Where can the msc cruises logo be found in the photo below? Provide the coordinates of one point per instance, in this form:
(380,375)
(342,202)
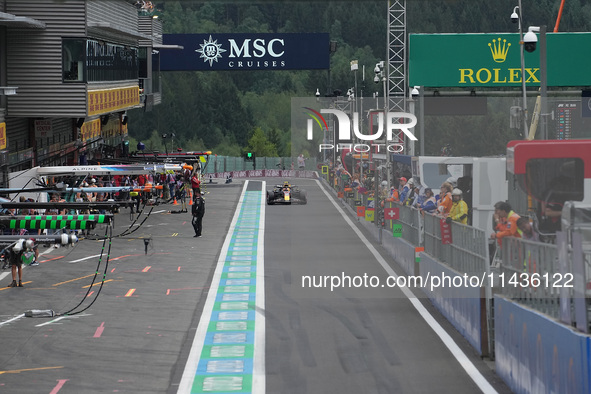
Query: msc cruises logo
(498,50)
(244,53)
(210,51)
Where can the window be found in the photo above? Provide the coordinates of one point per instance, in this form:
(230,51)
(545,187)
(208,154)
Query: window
(551,182)
(111,62)
(155,71)
(143,62)
(73,59)
(556,180)
(434,174)
(85,60)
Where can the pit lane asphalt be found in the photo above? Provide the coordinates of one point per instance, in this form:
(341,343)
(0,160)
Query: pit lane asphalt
(352,339)
(136,337)
(131,339)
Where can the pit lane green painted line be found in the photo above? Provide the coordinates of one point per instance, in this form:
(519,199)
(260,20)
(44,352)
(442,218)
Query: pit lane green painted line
(228,351)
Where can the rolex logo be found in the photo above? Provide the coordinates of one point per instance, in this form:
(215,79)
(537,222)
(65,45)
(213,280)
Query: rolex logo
(499,50)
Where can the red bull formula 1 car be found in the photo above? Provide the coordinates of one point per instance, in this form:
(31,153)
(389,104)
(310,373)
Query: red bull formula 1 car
(286,194)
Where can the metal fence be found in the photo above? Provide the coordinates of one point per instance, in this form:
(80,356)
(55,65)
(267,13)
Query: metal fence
(411,221)
(468,252)
(524,262)
(217,164)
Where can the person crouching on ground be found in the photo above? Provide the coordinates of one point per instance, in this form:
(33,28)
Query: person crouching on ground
(15,258)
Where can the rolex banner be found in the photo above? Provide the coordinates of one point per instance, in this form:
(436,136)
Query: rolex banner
(493,60)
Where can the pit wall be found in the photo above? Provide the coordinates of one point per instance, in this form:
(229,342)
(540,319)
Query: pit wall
(536,354)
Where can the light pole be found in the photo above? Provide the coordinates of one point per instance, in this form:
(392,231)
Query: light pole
(325,133)
(530,39)
(381,75)
(164,142)
(172,135)
(516,18)
(421,119)
(351,99)
(411,106)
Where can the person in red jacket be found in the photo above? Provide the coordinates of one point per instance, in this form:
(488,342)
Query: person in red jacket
(195,184)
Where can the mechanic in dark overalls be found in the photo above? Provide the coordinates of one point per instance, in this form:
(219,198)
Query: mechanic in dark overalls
(198,210)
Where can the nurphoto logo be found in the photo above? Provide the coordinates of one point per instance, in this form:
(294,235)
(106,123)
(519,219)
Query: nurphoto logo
(394,142)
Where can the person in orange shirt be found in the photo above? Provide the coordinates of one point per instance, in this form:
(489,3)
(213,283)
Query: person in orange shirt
(446,201)
(506,225)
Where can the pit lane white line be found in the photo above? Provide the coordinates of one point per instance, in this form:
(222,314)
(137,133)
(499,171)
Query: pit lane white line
(13,319)
(84,258)
(447,340)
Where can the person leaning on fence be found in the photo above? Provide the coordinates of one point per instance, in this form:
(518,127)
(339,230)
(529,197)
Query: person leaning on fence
(506,222)
(445,201)
(429,205)
(403,188)
(527,230)
(459,208)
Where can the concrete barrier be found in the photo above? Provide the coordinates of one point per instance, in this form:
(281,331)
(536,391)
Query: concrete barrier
(536,354)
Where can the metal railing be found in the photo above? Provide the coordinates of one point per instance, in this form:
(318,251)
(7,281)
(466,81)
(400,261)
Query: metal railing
(468,253)
(218,164)
(526,267)
(411,221)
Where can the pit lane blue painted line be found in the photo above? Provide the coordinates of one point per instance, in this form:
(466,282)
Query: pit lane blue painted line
(228,351)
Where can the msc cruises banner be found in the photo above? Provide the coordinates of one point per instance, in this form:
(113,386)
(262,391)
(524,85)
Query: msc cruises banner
(290,51)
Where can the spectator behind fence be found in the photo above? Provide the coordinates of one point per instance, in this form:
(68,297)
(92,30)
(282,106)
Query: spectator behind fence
(403,188)
(413,197)
(527,230)
(505,222)
(445,200)
(429,205)
(301,162)
(459,208)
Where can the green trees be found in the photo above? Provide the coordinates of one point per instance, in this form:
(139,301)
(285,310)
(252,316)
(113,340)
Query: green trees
(228,111)
(260,144)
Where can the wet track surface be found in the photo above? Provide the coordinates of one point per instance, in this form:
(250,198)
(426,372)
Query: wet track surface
(136,336)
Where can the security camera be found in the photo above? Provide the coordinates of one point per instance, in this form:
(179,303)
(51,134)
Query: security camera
(529,41)
(377,69)
(514,17)
(376,79)
(317,92)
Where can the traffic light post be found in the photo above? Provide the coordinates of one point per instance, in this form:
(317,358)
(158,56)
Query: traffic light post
(251,156)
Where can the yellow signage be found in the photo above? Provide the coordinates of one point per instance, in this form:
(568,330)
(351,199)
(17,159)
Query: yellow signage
(498,50)
(111,129)
(2,136)
(91,130)
(110,100)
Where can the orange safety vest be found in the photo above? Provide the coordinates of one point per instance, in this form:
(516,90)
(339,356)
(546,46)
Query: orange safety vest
(446,202)
(508,227)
